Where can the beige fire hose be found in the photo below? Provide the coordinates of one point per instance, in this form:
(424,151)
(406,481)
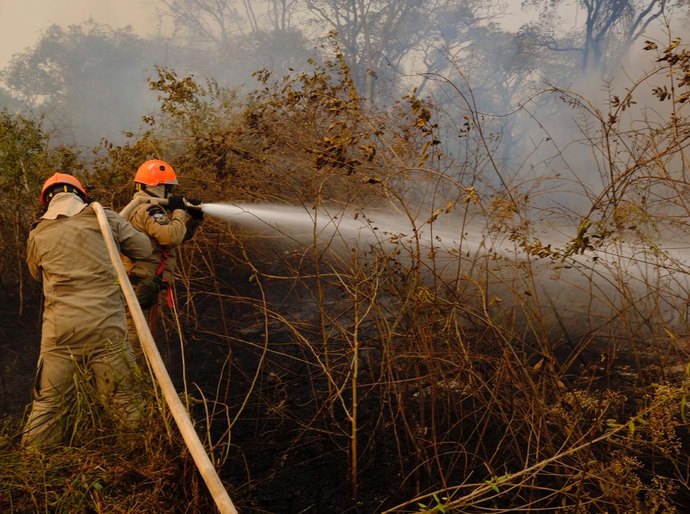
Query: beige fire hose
(203,463)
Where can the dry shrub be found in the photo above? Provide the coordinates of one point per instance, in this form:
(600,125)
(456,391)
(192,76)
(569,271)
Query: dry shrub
(442,355)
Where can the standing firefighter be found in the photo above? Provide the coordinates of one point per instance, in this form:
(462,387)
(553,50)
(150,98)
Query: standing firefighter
(168,220)
(84,322)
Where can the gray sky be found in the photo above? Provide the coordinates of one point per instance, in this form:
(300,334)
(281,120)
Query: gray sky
(23,21)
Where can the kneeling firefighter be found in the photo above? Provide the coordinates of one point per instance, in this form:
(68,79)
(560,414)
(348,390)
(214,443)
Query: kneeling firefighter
(168,220)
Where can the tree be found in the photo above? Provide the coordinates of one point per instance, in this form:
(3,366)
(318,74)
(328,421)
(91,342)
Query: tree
(7,101)
(89,79)
(608,30)
(281,12)
(230,43)
(210,21)
(379,38)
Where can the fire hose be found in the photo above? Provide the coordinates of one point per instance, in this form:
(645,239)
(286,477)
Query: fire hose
(184,424)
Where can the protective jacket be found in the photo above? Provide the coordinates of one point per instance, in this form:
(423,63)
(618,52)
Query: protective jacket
(165,233)
(66,249)
(84,311)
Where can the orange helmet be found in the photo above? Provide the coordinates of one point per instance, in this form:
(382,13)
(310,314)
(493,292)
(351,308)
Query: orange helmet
(155,172)
(69,183)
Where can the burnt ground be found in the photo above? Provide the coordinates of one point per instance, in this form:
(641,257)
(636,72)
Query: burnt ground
(285,461)
(277,464)
(20,338)
(287,455)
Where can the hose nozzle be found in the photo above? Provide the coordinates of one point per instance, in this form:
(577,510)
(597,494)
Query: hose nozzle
(193,204)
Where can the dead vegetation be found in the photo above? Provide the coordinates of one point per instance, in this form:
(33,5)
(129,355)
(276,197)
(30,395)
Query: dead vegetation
(405,370)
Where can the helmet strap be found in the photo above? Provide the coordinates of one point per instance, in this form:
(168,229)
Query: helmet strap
(62,188)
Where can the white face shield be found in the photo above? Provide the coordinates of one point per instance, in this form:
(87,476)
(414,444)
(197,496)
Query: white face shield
(159,191)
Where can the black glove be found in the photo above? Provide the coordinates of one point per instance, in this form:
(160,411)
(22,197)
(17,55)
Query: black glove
(194,208)
(175,202)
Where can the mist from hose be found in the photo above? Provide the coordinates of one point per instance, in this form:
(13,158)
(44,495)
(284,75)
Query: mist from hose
(594,291)
(373,226)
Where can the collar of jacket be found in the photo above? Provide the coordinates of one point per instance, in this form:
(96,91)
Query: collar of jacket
(64,204)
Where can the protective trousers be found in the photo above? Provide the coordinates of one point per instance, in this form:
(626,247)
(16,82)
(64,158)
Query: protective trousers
(111,364)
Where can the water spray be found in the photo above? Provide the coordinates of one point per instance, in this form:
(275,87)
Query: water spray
(584,292)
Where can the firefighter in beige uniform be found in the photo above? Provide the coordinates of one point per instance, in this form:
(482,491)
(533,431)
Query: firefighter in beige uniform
(167,227)
(84,312)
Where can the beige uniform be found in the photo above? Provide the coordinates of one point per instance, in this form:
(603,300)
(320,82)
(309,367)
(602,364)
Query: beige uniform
(84,313)
(165,232)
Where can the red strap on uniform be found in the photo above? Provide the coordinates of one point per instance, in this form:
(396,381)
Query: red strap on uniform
(161,266)
(159,273)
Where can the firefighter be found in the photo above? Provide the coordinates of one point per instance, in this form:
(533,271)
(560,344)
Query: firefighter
(84,320)
(167,225)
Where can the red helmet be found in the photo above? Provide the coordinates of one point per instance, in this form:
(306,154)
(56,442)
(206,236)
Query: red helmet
(155,172)
(61,179)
